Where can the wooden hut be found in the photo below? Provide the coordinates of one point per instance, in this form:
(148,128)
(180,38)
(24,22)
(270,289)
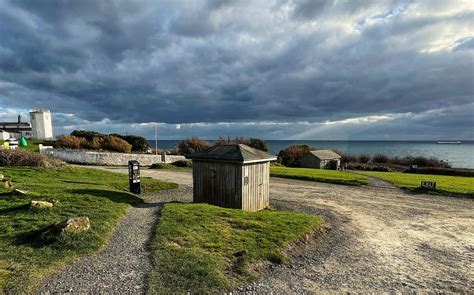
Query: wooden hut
(232,176)
(321,159)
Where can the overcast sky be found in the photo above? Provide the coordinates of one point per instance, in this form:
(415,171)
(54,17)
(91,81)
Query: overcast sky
(282,69)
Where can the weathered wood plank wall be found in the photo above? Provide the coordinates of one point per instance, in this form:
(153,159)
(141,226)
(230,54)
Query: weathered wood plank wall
(217,183)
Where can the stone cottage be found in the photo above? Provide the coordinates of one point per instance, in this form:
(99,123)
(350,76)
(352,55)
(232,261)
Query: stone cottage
(321,159)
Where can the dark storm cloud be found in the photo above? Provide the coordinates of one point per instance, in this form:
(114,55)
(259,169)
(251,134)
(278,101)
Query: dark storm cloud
(238,61)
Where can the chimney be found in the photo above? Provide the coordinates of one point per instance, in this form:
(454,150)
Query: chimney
(19,119)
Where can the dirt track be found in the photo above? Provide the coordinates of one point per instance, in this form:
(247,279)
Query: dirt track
(380,239)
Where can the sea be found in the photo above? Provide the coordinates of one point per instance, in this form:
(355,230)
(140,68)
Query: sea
(457,155)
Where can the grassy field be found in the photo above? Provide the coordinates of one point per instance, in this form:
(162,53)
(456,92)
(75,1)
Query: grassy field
(321,175)
(444,184)
(206,249)
(33,145)
(29,249)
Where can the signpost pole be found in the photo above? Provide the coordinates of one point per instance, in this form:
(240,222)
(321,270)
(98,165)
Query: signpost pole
(156,139)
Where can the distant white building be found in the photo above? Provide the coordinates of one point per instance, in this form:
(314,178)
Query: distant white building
(41,124)
(41,127)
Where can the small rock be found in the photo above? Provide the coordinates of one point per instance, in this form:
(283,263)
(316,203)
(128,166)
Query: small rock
(1,177)
(40,204)
(76,224)
(53,201)
(19,192)
(7,184)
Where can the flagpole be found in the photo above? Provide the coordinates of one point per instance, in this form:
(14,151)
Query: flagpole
(156,139)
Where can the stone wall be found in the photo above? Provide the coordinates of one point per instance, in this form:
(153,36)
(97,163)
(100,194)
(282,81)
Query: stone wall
(106,158)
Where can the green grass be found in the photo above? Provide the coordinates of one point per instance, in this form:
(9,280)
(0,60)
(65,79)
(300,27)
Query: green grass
(455,185)
(29,247)
(321,175)
(207,249)
(33,145)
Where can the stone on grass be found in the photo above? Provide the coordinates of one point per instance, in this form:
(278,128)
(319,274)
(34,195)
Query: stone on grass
(76,224)
(7,183)
(40,204)
(1,177)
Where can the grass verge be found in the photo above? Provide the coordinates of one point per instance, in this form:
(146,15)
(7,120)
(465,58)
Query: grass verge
(447,185)
(206,249)
(321,175)
(28,250)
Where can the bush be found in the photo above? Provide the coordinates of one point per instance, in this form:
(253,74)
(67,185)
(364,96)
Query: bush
(364,159)
(346,158)
(444,171)
(255,143)
(162,166)
(380,159)
(89,135)
(139,143)
(191,145)
(93,144)
(115,144)
(69,142)
(183,163)
(290,156)
(258,144)
(366,167)
(20,157)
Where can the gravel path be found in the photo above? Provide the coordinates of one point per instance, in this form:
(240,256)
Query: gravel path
(380,240)
(122,266)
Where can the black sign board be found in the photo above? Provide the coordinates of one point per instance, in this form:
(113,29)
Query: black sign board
(428,184)
(134,177)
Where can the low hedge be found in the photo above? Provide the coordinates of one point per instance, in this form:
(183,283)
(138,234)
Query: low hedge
(20,157)
(443,171)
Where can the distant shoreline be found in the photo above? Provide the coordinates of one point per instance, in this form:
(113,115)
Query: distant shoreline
(457,155)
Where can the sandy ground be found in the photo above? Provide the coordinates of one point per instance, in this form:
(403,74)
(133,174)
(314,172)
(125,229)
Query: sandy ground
(379,238)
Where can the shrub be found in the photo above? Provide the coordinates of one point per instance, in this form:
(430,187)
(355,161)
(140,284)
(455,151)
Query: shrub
(228,140)
(115,144)
(365,167)
(183,163)
(444,171)
(291,155)
(162,166)
(380,159)
(139,143)
(346,158)
(69,142)
(191,145)
(429,162)
(256,143)
(364,159)
(89,135)
(20,157)
(94,144)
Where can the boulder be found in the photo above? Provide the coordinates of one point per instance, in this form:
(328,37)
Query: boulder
(40,204)
(76,224)
(19,192)
(7,183)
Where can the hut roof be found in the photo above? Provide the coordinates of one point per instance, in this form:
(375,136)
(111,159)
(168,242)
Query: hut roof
(239,153)
(325,154)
